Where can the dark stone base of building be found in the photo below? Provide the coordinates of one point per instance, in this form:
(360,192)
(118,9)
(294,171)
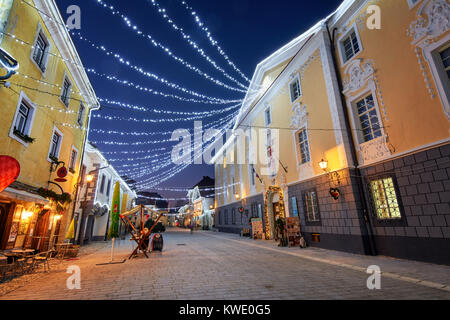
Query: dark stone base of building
(426,250)
(224,221)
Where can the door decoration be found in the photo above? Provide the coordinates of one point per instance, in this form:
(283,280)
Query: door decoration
(9,171)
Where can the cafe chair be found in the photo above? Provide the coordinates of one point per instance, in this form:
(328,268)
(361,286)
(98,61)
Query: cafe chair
(43,258)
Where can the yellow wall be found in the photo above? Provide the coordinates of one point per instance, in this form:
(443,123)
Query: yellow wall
(414,118)
(35,167)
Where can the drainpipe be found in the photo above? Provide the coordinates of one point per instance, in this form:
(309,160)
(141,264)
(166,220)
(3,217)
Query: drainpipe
(369,242)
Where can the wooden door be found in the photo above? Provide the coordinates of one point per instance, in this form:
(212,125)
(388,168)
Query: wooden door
(39,239)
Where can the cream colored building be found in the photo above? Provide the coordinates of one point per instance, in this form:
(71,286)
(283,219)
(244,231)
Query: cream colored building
(354,121)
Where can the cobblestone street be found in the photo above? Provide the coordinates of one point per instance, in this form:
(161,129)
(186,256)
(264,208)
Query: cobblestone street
(217,266)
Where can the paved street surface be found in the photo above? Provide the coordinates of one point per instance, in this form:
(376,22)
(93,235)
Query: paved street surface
(216,266)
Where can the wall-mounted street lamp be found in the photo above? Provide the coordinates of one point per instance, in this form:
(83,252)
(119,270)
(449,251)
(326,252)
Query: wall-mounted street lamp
(89,178)
(237,196)
(323,164)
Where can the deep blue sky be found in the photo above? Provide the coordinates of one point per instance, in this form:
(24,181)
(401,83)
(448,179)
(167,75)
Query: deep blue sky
(247,30)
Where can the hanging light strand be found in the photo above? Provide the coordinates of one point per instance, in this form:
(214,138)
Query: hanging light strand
(140,69)
(162,47)
(211,39)
(192,43)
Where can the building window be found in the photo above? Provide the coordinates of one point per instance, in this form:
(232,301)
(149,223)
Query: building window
(368,119)
(294,207)
(311,206)
(350,46)
(80,115)
(108,189)
(55,145)
(295,89)
(220,218)
(268,116)
(233,216)
(102,184)
(303,145)
(65,93)
(252,174)
(384,199)
(73,160)
(41,49)
(23,120)
(226,216)
(445,58)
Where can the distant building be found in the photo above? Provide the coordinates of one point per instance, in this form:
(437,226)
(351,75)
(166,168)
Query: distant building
(93,209)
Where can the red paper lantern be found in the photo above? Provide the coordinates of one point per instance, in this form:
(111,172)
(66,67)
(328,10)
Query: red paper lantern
(9,171)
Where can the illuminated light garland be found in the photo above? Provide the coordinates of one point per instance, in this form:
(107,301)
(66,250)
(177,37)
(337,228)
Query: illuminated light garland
(156,180)
(164,48)
(213,42)
(141,70)
(193,44)
(134,152)
(76,64)
(59,87)
(167,112)
(143,171)
(145,168)
(149,120)
(155,92)
(143,133)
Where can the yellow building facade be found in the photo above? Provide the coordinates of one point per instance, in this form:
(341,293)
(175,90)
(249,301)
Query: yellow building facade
(349,123)
(45,110)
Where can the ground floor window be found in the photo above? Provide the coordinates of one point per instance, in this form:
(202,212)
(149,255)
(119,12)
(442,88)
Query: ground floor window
(384,199)
(311,206)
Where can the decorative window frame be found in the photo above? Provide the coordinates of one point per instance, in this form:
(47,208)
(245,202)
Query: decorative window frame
(296,78)
(76,159)
(431,54)
(300,121)
(353,27)
(29,125)
(55,129)
(66,77)
(40,30)
(376,149)
(373,214)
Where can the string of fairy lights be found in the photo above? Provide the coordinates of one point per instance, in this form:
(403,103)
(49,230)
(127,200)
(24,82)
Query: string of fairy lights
(164,48)
(154,165)
(193,44)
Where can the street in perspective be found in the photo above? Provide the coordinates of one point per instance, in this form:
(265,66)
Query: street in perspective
(229,157)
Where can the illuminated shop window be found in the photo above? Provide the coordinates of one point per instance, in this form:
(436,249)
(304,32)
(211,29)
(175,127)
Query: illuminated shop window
(385,199)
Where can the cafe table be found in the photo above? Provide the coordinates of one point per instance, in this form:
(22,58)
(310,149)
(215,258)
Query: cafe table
(23,252)
(3,260)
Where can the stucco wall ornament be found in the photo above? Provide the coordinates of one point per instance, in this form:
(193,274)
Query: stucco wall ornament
(433,21)
(357,75)
(300,117)
(375,150)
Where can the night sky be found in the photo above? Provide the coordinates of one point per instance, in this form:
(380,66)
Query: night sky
(247,30)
